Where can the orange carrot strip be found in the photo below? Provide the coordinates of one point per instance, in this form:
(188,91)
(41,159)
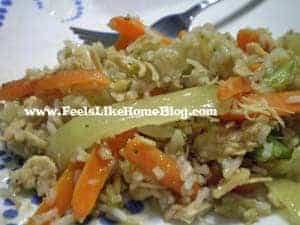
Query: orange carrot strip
(281,101)
(129,29)
(246,36)
(119,141)
(123,42)
(59,83)
(90,183)
(95,174)
(63,190)
(233,86)
(16,89)
(147,158)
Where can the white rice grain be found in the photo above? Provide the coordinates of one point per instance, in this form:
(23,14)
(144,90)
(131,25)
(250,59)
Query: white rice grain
(230,165)
(65,220)
(44,217)
(105,153)
(293,99)
(158,172)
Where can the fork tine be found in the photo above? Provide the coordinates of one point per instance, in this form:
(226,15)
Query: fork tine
(84,31)
(91,36)
(94,33)
(88,37)
(91,39)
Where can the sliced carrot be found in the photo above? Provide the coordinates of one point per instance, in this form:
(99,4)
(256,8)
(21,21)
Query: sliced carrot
(90,183)
(233,86)
(59,83)
(95,174)
(246,36)
(147,158)
(119,141)
(281,102)
(16,89)
(129,30)
(63,194)
(129,27)
(123,42)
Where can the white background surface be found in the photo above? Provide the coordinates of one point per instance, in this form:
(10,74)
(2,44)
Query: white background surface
(32,37)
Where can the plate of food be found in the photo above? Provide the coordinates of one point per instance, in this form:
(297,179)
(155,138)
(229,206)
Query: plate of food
(200,128)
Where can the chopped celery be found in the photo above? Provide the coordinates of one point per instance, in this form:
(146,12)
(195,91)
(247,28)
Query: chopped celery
(273,149)
(286,194)
(282,77)
(82,132)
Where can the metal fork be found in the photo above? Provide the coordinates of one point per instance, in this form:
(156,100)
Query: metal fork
(169,25)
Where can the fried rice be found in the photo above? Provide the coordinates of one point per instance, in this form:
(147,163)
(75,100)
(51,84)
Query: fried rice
(231,160)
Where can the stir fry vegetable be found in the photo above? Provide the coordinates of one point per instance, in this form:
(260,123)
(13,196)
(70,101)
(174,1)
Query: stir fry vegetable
(284,103)
(148,159)
(91,181)
(129,30)
(282,77)
(273,149)
(63,195)
(82,132)
(234,86)
(155,146)
(246,36)
(119,141)
(56,85)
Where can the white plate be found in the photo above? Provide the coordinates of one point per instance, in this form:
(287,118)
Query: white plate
(32,31)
